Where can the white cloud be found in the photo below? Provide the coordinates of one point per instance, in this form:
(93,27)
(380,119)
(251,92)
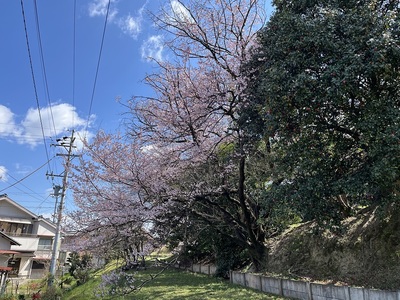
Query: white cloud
(131,26)
(99,8)
(7,123)
(55,120)
(82,136)
(3,174)
(148,148)
(180,12)
(153,48)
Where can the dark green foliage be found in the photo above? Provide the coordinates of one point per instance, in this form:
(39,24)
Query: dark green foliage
(217,209)
(325,94)
(80,266)
(217,247)
(229,256)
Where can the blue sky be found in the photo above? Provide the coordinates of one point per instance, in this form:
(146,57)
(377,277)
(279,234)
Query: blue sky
(130,38)
(64,75)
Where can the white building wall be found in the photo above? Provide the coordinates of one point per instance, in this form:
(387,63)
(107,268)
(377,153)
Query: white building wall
(4,244)
(25,267)
(27,243)
(11,211)
(44,229)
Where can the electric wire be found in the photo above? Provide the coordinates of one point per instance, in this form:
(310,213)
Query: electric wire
(45,75)
(34,82)
(24,192)
(31,173)
(74,62)
(46,85)
(41,203)
(43,66)
(98,63)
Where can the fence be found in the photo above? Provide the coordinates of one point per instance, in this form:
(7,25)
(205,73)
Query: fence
(298,289)
(199,268)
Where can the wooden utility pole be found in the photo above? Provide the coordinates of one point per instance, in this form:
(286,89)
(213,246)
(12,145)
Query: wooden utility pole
(68,144)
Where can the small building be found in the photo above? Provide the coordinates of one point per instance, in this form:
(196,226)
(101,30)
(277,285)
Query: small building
(5,255)
(33,236)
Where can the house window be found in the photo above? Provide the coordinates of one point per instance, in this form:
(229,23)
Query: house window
(5,226)
(45,244)
(38,265)
(15,228)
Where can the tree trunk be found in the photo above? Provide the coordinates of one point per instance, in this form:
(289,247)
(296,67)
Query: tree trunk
(255,234)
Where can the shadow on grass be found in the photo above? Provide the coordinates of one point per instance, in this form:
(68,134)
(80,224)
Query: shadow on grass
(173,285)
(178,284)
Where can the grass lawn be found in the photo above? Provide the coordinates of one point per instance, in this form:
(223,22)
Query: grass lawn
(175,284)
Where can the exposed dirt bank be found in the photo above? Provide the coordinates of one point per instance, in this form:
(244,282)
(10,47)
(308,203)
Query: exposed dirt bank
(365,253)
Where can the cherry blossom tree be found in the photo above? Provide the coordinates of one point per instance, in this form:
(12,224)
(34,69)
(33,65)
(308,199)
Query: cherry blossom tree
(184,158)
(192,119)
(112,214)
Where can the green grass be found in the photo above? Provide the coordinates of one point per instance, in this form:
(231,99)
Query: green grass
(175,284)
(87,290)
(26,288)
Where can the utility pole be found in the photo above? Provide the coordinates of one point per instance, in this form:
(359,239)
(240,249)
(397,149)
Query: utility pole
(67,143)
(56,190)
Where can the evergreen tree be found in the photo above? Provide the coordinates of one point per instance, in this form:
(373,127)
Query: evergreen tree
(324,93)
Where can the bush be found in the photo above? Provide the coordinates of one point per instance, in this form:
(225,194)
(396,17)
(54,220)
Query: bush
(51,293)
(67,279)
(228,256)
(8,297)
(80,266)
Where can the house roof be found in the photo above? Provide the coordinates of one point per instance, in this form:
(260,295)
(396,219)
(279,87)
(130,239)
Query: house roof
(40,218)
(30,214)
(6,237)
(15,220)
(5,198)
(8,252)
(41,258)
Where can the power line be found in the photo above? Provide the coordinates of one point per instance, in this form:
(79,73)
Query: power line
(34,195)
(41,203)
(74,62)
(22,179)
(33,80)
(43,65)
(45,77)
(98,62)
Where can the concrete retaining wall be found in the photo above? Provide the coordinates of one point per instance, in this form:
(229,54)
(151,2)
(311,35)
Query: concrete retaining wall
(199,268)
(307,290)
(298,289)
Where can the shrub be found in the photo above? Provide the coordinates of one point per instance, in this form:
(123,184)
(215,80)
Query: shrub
(8,297)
